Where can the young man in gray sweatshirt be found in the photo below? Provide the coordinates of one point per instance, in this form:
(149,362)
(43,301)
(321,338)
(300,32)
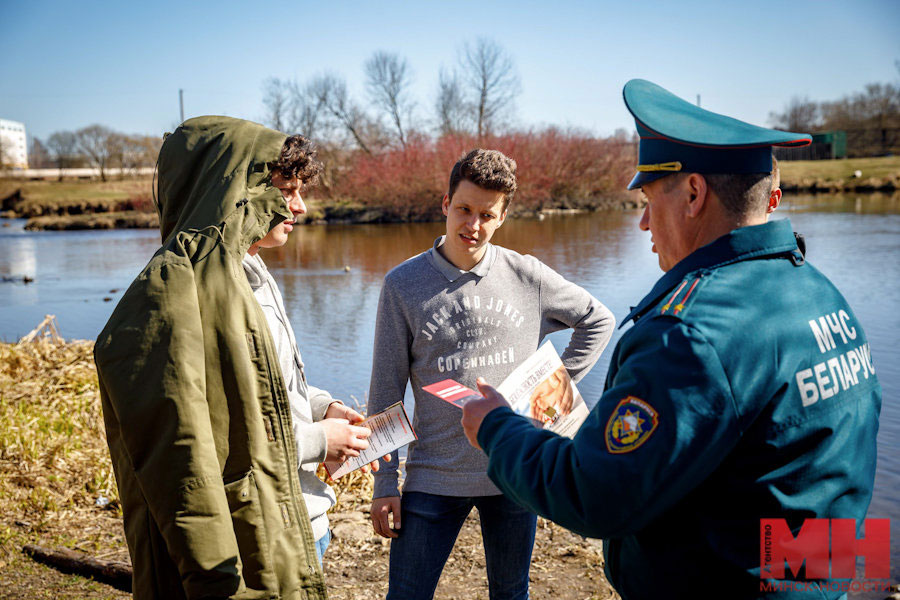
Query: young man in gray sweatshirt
(465,309)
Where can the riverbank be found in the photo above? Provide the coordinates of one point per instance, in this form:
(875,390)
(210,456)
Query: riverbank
(850,175)
(127,204)
(57,489)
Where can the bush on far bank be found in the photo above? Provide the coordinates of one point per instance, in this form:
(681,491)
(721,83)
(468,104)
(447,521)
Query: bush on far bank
(556,169)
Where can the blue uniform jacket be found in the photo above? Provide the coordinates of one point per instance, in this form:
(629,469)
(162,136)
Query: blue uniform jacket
(745,390)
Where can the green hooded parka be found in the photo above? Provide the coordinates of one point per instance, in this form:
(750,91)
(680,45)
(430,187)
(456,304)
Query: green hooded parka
(196,412)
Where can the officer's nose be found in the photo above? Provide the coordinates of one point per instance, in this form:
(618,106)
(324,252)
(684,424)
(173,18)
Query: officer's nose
(645,219)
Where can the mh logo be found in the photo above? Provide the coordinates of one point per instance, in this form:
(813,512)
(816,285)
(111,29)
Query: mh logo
(778,545)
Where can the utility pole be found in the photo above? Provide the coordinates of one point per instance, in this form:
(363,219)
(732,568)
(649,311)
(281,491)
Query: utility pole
(181,103)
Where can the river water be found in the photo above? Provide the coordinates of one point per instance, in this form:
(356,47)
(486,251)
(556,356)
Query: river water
(79,276)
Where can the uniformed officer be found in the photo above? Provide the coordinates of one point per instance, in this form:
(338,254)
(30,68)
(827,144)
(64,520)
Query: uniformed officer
(744,391)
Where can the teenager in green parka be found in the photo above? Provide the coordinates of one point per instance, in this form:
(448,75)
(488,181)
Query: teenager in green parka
(194,402)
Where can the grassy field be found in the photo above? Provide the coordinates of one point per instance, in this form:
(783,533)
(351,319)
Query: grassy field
(840,171)
(77,197)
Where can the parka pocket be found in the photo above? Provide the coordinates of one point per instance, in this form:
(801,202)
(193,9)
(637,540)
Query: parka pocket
(250,531)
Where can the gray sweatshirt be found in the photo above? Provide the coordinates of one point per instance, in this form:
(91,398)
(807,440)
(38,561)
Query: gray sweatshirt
(308,404)
(438,322)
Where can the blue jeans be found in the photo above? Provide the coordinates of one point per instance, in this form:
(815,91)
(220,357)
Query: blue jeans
(429,526)
(322,544)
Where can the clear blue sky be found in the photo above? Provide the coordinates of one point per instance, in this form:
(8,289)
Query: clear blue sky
(64,65)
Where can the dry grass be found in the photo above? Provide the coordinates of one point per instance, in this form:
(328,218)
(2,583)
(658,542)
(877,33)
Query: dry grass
(54,465)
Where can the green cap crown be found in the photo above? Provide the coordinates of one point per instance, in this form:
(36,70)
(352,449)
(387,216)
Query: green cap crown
(679,136)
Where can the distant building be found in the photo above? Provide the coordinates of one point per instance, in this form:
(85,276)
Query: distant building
(13,145)
(825,145)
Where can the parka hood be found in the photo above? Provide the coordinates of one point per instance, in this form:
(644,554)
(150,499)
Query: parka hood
(213,172)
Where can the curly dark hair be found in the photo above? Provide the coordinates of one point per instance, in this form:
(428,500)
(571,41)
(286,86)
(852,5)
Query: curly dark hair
(488,169)
(298,159)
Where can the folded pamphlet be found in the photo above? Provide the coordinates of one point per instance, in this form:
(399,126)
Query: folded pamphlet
(390,430)
(540,388)
(453,392)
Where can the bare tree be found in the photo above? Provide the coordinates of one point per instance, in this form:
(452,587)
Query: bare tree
(871,119)
(306,111)
(330,92)
(99,144)
(63,148)
(135,151)
(388,78)
(490,78)
(151,145)
(38,156)
(450,104)
(292,108)
(117,148)
(801,114)
(276,98)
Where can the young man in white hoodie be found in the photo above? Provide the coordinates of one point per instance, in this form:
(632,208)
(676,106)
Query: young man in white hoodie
(323,427)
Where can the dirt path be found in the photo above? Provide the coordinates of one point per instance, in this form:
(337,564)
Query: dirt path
(564,565)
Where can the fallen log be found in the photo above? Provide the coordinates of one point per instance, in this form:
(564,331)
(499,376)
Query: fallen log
(114,573)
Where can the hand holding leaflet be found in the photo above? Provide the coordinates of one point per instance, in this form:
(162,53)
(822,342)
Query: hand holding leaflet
(390,429)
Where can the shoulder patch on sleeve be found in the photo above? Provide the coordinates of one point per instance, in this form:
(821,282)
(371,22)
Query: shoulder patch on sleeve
(631,424)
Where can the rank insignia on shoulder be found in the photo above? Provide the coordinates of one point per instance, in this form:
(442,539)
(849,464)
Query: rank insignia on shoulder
(630,425)
(678,301)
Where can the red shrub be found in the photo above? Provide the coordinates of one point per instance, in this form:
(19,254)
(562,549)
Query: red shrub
(555,169)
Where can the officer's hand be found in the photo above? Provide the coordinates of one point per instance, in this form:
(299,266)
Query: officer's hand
(381,509)
(343,439)
(475,411)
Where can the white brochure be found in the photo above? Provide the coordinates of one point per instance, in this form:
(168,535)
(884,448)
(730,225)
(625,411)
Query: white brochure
(391,429)
(540,388)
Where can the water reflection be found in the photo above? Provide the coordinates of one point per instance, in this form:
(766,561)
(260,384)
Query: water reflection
(366,249)
(74,274)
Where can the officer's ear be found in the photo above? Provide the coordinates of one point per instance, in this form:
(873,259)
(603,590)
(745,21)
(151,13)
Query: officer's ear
(774,200)
(697,192)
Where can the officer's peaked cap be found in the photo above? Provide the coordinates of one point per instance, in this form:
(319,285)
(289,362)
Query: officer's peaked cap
(679,136)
